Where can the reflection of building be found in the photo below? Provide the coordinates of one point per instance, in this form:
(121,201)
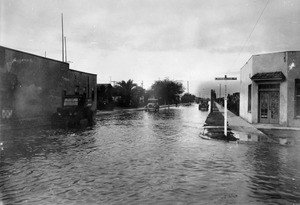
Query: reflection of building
(34,86)
(270,89)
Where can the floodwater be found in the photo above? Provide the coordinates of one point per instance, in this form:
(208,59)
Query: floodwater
(144,158)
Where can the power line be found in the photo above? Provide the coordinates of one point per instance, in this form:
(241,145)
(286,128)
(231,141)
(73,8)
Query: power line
(250,33)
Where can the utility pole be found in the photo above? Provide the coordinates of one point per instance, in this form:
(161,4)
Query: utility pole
(225,100)
(66,49)
(62,36)
(220,92)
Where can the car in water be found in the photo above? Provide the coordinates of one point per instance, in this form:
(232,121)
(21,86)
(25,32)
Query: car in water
(75,112)
(152,105)
(203,105)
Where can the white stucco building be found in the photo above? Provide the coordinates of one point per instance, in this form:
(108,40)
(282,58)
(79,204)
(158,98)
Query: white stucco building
(270,89)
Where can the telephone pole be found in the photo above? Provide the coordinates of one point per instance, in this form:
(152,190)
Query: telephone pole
(220,92)
(225,100)
(62,37)
(66,60)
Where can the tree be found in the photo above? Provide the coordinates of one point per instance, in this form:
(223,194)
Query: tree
(137,93)
(104,96)
(167,90)
(125,90)
(188,98)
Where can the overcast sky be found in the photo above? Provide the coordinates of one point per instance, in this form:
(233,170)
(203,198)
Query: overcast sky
(147,40)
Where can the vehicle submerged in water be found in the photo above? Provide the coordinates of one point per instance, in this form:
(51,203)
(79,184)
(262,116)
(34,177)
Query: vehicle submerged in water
(75,112)
(152,105)
(203,105)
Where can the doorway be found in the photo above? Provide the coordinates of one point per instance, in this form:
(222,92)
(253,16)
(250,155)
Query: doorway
(269,107)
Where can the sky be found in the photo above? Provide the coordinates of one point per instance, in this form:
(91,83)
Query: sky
(190,41)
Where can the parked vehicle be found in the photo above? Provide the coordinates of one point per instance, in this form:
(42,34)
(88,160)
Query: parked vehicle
(75,112)
(203,105)
(152,105)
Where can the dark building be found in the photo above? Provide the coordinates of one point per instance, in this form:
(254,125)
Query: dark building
(33,87)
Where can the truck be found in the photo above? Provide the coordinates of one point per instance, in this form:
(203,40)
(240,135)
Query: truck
(203,104)
(75,112)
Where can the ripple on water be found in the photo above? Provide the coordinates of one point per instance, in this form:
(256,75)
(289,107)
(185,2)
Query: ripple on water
(144,158)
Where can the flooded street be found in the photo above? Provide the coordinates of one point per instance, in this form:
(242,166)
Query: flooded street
(142,157)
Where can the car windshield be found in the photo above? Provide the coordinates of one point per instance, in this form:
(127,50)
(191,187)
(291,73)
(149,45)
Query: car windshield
(152,100)
(71,102)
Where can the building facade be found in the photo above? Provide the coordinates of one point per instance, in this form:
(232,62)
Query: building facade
(34,87)
(270,89)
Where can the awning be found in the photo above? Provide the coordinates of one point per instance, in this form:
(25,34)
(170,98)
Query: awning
(269,76)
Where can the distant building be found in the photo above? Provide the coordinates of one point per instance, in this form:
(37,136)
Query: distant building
(33,86)
(270,89)
(104,96)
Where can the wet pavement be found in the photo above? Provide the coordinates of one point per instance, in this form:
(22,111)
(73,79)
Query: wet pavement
(137,157)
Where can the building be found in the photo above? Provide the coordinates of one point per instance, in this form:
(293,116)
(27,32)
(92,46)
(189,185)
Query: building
(33,87)
(270,89)
(105,96)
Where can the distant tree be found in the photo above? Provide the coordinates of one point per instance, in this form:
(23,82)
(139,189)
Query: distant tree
(104,96)
(188,98)
(137,93)
(125,90)
(167,90)
(148,94)
(233,103)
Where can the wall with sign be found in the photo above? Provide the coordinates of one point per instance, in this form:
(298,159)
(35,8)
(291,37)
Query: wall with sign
(39,84)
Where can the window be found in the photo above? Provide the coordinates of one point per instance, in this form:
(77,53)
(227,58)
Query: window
(268,86)
(297,97)
(249,97)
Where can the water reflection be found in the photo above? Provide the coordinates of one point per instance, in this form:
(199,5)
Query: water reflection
(144,158)
(273,177)
(251,137)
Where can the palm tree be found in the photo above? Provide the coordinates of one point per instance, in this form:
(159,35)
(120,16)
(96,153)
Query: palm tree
(125,90)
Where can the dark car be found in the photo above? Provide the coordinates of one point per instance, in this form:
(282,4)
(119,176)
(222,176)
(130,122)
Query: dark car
(152,105)
(203,105)
(75,112)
